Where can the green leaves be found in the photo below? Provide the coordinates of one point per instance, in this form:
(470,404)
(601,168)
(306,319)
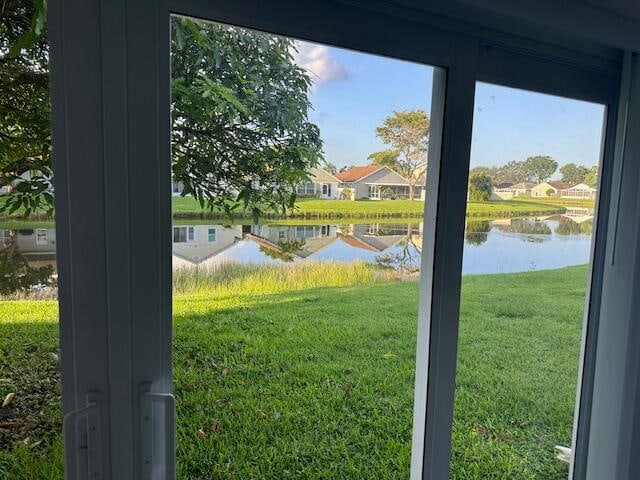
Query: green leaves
(241,135)
(25,138)
(31,36)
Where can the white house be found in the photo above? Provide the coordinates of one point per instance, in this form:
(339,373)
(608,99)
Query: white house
(374,182)
(549,188)
(580,190)
(321,184)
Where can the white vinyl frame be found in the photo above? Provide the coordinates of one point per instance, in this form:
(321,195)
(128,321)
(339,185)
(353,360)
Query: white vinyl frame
(111,128)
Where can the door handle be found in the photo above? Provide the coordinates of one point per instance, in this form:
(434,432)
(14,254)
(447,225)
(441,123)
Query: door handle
(83,460)
(158,439)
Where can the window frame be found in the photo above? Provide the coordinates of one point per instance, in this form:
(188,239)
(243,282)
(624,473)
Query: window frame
(111,125)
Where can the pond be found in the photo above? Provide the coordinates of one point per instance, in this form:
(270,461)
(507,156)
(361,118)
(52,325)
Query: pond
(491,246)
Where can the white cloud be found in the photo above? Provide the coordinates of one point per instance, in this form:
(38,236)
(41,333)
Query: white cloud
(320,65)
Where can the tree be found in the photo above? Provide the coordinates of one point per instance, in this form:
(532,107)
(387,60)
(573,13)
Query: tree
(388,158)
(574,174)
(329,167)
(240,130)
(480,187)
(25,138)
(540,167)
(511,172)
(407,132)
(591,178)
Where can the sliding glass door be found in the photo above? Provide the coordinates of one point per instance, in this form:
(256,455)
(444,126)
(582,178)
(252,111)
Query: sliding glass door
(304,336)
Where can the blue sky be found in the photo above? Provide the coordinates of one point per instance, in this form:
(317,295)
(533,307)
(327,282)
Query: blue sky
(353,93)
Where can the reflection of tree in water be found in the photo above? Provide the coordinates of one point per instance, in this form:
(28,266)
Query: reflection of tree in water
(406,260)
(476,232)
(286,251)
(527,226)
(15,273)
(569,227)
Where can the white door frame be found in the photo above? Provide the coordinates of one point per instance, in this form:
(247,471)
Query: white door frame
(111,90)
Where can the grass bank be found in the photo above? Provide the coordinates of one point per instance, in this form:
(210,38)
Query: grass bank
(562,202)
(187,207)
(318,382)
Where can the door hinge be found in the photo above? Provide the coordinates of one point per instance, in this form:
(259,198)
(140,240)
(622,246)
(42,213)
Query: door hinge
(83,440)
(157,434)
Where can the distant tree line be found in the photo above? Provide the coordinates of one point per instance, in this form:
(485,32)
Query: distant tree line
(538,169)
(534,169)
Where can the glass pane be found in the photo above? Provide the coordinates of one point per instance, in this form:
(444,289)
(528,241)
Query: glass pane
(294,340)
(534,166)
(30,403)
(30,411)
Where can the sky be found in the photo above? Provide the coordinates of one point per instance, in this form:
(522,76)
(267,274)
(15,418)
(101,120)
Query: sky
(353,92)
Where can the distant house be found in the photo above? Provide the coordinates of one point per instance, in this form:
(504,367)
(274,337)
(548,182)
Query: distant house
(321,184)
(506,191)
(549,189)
(580,190)
(37,246)
(176,188)
(373,182)
(502,191)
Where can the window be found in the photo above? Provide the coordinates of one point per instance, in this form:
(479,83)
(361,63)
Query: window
(176,188)
(524,287)
(41,236)
(183,234)
(307,189)
(305,231)
(211,235)
(326,189)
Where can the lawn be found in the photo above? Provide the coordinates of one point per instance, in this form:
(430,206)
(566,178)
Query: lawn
(317,383)
(313,208)
(562,202)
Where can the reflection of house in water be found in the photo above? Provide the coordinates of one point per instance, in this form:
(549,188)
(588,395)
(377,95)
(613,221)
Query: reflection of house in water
(376,237)
(578,214)
(575,214)
(312,238)
(194,244)
(36,245)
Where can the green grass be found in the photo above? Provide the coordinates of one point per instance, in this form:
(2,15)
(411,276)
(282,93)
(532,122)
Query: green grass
(561,202)
(187,209)
(313,208)
(317,383)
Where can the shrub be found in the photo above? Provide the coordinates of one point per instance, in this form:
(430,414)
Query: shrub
(480,187)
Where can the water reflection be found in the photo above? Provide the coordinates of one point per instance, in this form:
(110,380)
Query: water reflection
(27,261)
(27,256)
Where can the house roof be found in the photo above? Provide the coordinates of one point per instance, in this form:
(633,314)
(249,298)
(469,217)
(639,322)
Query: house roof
(523,185)
(558,185)
(582,186)
(355,174)
(322,175)
(504,185)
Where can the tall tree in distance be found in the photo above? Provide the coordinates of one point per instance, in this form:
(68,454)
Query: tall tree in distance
(329,167)
(240,128)
(572,173)
(591,178)
(407,132)
(387,158)
(540,167)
